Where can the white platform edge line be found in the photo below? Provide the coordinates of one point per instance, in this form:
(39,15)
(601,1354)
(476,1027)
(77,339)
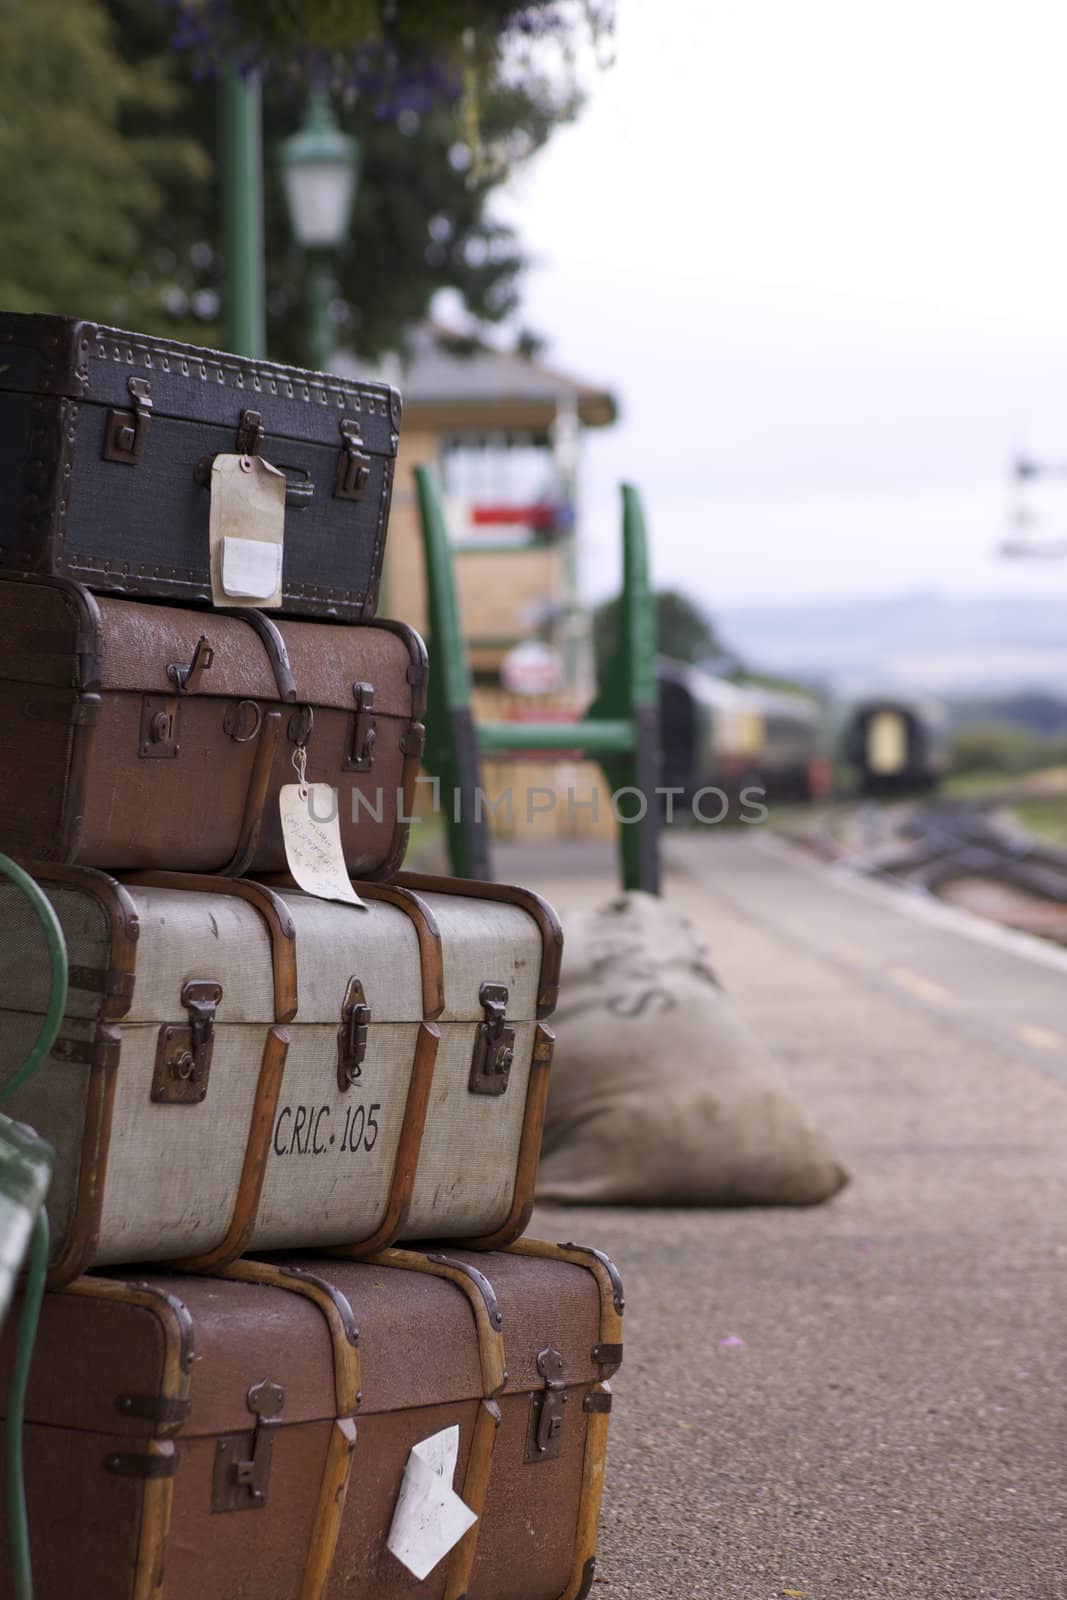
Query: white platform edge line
(919,903)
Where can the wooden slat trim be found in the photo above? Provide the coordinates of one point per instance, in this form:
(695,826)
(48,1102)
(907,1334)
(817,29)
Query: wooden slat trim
(406,1161)
(174,1319)
(155,1526)
(533,1123)
(431,956)
(257,1154)
(603,1269)
(344,1336)
(474,1493)
(490,1336)
(78,1250)
(593,1462)
(121,913)
(333,1492)
(533,904)
(271,907)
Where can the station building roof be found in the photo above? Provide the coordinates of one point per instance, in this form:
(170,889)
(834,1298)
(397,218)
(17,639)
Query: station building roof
(450,380)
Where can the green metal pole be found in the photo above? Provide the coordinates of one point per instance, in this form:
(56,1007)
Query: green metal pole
(321,287)
(242,213)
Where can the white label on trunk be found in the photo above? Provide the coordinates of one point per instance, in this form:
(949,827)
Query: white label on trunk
(251,569)
(430,1518)
(246,531)
(311,831)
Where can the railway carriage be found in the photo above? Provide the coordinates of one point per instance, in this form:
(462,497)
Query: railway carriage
(896,745)
(734,736)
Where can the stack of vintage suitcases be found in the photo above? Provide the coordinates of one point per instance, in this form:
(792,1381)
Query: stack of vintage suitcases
(258,1090)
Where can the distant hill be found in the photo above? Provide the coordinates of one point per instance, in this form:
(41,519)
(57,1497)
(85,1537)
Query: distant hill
(944,644)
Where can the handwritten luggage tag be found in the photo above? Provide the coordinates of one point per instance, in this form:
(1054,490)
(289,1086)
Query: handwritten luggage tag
(311,833)
(246,532)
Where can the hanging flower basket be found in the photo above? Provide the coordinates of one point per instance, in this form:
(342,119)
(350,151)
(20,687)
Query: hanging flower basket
(404,54)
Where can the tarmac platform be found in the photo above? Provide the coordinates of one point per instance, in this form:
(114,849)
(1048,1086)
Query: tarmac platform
(864,1399)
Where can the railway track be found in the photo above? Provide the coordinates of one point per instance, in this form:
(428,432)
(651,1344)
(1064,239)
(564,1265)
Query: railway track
(972,855)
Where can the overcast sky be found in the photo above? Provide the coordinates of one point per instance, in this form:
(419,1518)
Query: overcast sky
(819,250)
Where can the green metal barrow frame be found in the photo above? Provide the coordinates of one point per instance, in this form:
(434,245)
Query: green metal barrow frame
(620,730)
(25,1173)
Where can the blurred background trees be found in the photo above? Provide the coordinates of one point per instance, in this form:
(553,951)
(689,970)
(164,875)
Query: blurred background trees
(684,632)
(109,193)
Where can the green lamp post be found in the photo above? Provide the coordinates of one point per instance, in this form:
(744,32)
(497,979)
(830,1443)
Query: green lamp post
(320,166)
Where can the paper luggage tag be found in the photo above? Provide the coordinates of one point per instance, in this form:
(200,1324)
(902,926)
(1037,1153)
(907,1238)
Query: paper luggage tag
(311,833)
(430,1518)
(246,532)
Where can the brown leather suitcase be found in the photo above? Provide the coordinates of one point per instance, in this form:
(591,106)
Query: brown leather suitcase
(245,1436)
(107,440)
(140,735)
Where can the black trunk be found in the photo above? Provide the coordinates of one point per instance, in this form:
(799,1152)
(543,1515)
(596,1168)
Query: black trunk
(106,439)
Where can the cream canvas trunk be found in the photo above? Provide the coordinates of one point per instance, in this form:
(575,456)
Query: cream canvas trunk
(247,1067)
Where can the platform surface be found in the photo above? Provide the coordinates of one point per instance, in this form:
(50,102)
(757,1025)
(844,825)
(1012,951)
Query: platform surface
(894,1419)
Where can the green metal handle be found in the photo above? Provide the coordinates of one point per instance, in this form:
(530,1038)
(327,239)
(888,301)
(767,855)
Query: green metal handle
(57,956)
(15,1489)
(607,736)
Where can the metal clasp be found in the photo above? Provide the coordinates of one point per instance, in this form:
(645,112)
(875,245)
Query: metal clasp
(249,441)
(544,1435)
(494,1043)
(352,1035)
(126,431)
(187,679)
(242,1460)
(353,467)
(159,728)
(360,754)
(184,1050)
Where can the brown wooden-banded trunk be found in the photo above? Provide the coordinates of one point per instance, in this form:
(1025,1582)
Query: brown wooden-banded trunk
(246,1434)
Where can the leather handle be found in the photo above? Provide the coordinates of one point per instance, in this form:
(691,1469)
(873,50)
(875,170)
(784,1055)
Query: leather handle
(299,492)
(256,797)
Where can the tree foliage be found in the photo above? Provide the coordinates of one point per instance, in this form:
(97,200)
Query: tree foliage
(107,183)
(80,199)
(684,631)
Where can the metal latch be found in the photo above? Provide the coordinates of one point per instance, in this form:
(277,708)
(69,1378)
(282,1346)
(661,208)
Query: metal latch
(352,1035)
(249,441)
(494,1043)
(184,1050)
(544,1436)
(353,467)
(125,431)
(360,754)
(242,1460)
(188,678)
(159,727)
